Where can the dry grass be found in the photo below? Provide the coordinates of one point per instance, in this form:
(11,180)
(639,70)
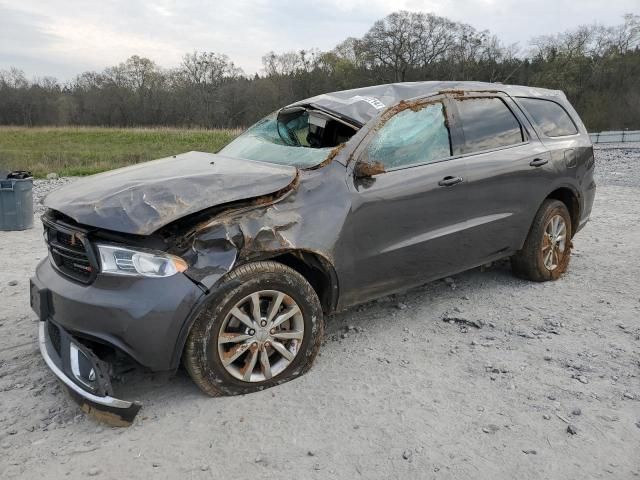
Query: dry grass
(88,150)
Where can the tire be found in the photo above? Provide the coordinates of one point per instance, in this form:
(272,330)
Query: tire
(532,262)
(266,281)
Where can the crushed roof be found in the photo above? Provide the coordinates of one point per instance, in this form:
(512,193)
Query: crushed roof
(364,104)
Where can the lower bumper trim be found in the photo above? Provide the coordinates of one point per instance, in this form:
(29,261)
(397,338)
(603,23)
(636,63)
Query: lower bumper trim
(108,409)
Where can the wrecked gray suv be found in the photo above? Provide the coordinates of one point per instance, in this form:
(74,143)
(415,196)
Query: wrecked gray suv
(229,262)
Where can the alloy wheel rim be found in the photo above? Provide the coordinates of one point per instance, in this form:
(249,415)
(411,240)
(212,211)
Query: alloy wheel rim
(554,242)
(260,336)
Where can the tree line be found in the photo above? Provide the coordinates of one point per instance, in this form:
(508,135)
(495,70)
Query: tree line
(597,66)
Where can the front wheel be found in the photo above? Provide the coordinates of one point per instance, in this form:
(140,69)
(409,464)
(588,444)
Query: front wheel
(263,327)
(547,249)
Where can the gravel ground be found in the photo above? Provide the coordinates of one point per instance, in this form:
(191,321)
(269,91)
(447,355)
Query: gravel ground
(618,164)
(525,380)
(41,188)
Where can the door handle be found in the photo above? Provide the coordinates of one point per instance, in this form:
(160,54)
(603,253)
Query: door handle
(538,162)
(450,181)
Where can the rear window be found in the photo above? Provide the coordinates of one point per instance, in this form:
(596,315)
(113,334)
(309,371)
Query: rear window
(487,123)
(551,118)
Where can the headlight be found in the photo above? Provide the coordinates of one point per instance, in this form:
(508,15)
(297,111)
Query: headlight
(146,263)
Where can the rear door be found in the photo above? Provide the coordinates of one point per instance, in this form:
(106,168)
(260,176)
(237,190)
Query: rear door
(508,171)
(568,143)
(407,225)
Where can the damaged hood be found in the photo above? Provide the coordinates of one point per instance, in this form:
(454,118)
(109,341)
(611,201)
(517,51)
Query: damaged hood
(143,198)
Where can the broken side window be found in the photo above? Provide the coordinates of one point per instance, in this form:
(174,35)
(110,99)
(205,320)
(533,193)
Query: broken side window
(412,137)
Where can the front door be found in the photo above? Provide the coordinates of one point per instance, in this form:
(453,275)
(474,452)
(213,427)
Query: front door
(407,225)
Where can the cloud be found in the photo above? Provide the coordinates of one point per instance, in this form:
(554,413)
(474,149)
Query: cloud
(26,31)
(63,37)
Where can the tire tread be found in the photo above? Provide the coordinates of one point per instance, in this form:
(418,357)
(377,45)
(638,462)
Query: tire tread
(192,357)
(525,263)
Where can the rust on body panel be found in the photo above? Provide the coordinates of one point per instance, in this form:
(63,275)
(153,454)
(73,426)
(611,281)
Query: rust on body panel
(332,155)
(370,169)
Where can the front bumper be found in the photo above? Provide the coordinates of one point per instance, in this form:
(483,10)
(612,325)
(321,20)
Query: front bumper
(74,365)
(141,317)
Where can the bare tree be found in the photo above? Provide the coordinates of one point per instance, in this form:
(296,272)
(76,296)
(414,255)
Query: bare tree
(286,63)
(393,43)
(208,68)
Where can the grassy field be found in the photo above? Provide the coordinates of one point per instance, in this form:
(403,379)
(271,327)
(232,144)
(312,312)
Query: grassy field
(84,151)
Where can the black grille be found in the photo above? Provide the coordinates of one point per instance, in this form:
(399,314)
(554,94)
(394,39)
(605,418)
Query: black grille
(54,336)
(65,239)
(69,252)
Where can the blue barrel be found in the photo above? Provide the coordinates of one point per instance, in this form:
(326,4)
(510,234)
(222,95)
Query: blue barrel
(16,203)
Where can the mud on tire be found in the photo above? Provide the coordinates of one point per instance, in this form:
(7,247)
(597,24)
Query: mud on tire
(529,263)
(200,355)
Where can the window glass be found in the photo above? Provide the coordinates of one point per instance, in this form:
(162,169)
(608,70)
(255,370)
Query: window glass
(553,120)
(412,137)
(487,123)
(263,143)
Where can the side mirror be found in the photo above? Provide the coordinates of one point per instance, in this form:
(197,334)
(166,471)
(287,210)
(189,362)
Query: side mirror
(367,170)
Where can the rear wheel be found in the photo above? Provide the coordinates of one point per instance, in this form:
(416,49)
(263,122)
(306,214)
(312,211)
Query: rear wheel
(263,327)
(547,249)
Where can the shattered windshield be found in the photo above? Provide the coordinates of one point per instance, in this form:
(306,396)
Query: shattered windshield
(282,142)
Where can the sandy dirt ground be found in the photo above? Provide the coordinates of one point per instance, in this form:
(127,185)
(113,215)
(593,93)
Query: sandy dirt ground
(396,391)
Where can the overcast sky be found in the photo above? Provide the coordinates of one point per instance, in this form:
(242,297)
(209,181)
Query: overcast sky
(65,37)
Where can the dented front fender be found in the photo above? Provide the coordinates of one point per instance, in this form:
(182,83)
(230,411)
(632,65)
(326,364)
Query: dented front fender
(301,218)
